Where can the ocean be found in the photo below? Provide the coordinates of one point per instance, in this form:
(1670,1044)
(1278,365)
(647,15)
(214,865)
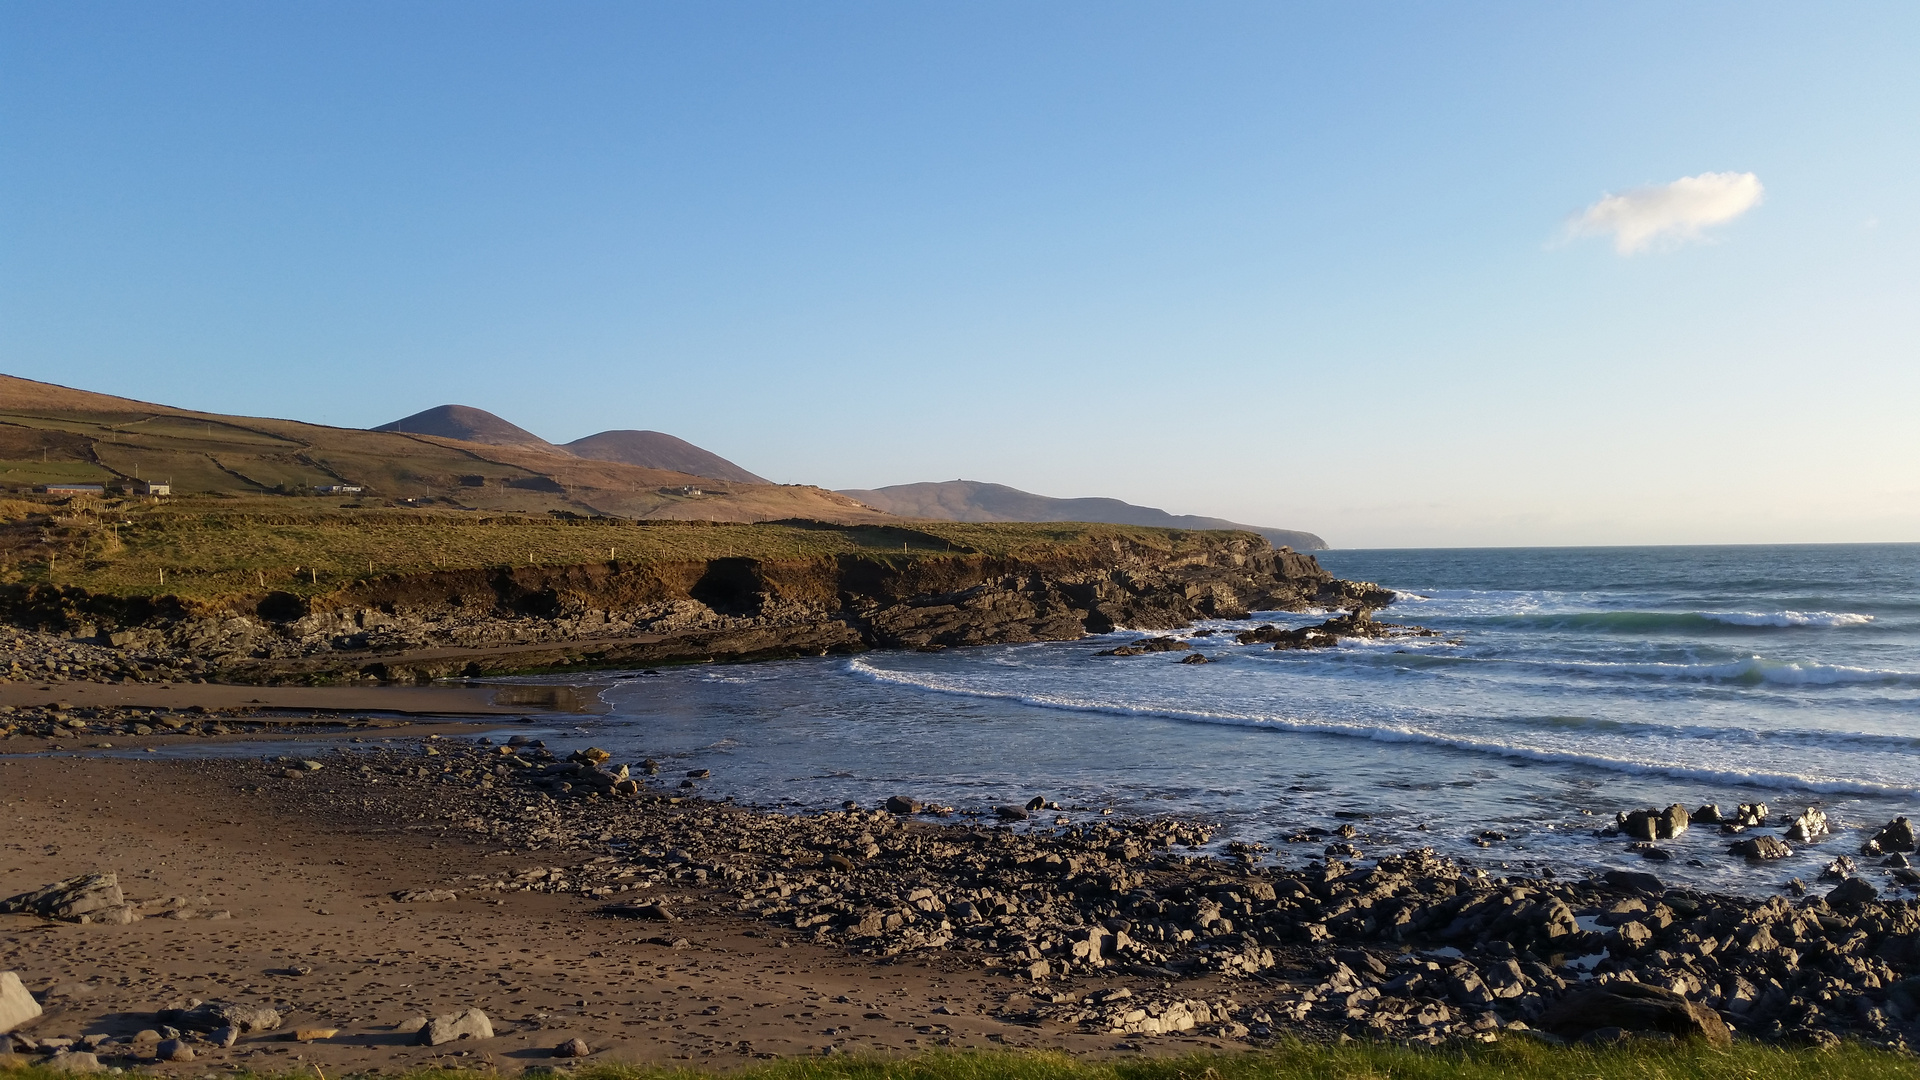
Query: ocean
(1566,684)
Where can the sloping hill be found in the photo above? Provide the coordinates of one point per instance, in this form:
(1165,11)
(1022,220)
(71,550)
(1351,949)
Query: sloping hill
(658,450)
(972,500)
(467,424)
(53,434)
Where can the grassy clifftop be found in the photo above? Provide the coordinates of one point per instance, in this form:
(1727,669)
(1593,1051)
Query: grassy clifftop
(207,550)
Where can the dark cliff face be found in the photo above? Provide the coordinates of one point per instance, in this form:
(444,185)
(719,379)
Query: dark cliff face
(482,621)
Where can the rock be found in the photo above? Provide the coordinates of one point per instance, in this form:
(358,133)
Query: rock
(699,774)
(1809,826)
(1839,869)
(1751,815)
(313,1034)
(214,1015)
(1635,880)
(411,1025)
(1010,813)
(1707,815)
(1653,824)
(572,1048)
(1634,1007)
(74,1061)
(173,1050)
(901,804)
(1896,836)
(16,1004)
(87,898)
(653,912)
(1196,658)
(1852,894)
(472,1024)
(424,896)
(592,755)
(1761,847)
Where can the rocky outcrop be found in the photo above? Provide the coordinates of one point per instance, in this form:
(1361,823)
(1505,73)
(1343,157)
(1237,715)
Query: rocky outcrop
(488,621)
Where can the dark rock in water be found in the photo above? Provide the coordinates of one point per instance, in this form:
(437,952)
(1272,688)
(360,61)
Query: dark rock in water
(900,804)
(1761,847)
(1629,879)
(1808,827)
(1634,1007)
(1649,851)
(1837,870)
(1708,815)
(1010,813)
(1147,645)
(1196,658)
(1751,815)
(1896,859)
(1852,894)
(1897,836)
(1653,824)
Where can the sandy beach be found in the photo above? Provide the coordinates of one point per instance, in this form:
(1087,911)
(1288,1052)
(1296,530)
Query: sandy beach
(282,904)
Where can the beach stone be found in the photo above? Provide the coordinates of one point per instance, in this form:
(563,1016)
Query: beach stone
(1761,847)
(1634,1007)
(411,1025)
(472,1024)
(572,1048)
(901,804)
(75,899)
(1852,894)
(1010,813)
(214,1015)
(73,1061)
(1635,880)
(1196,658)
(653,912)
(173,1050)
(16,1004)
(1808,827)
(313,1034)
(1708,814)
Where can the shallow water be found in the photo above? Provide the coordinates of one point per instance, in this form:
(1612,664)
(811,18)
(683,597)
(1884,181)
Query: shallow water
(1568,684)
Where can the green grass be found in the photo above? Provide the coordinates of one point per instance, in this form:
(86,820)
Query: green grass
(1512,1059)
(212,548)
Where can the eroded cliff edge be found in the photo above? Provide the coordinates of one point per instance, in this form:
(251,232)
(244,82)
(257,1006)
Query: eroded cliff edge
(485,621)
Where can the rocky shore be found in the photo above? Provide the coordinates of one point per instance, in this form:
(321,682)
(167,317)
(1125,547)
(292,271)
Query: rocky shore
(1128,929)
(420,626)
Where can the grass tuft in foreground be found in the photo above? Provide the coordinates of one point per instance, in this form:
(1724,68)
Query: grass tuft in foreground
(1509,1060)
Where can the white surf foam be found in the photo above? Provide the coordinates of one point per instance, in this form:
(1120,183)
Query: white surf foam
(1380,731)
(1788,618)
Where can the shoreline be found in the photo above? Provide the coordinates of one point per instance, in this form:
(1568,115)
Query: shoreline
(413,876)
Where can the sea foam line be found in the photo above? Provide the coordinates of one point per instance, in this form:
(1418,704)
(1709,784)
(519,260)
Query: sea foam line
(1401,734)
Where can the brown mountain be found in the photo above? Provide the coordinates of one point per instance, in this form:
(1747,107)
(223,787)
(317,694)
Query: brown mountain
(467,424)
(971,500)
(55,434)
(658,450)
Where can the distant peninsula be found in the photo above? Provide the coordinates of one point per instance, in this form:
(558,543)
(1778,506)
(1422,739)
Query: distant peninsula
(972,500)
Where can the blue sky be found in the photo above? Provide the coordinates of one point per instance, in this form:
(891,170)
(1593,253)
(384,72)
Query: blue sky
(1298,265)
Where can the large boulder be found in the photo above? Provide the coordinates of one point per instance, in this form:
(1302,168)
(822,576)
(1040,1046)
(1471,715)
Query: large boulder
(215,1015)
(1897,836)
(1634,1007)
(1761,848)
(1810,826)
(472,1024)
(1851,895)
(88,898)
(16,1005)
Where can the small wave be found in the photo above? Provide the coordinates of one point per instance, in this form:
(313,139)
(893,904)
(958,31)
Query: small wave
(1391,733)
(1697,622)
(1753,670)
(1788,618)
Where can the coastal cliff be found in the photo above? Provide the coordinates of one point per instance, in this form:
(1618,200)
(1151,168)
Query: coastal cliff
(428,624)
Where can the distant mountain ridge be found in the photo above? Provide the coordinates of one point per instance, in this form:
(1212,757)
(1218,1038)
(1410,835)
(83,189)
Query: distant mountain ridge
(973,500)
(647,449)
(659,450)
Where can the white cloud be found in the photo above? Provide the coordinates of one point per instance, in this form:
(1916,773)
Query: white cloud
(1675,212)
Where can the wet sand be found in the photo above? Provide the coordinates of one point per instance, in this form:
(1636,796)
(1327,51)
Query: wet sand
(404,700)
